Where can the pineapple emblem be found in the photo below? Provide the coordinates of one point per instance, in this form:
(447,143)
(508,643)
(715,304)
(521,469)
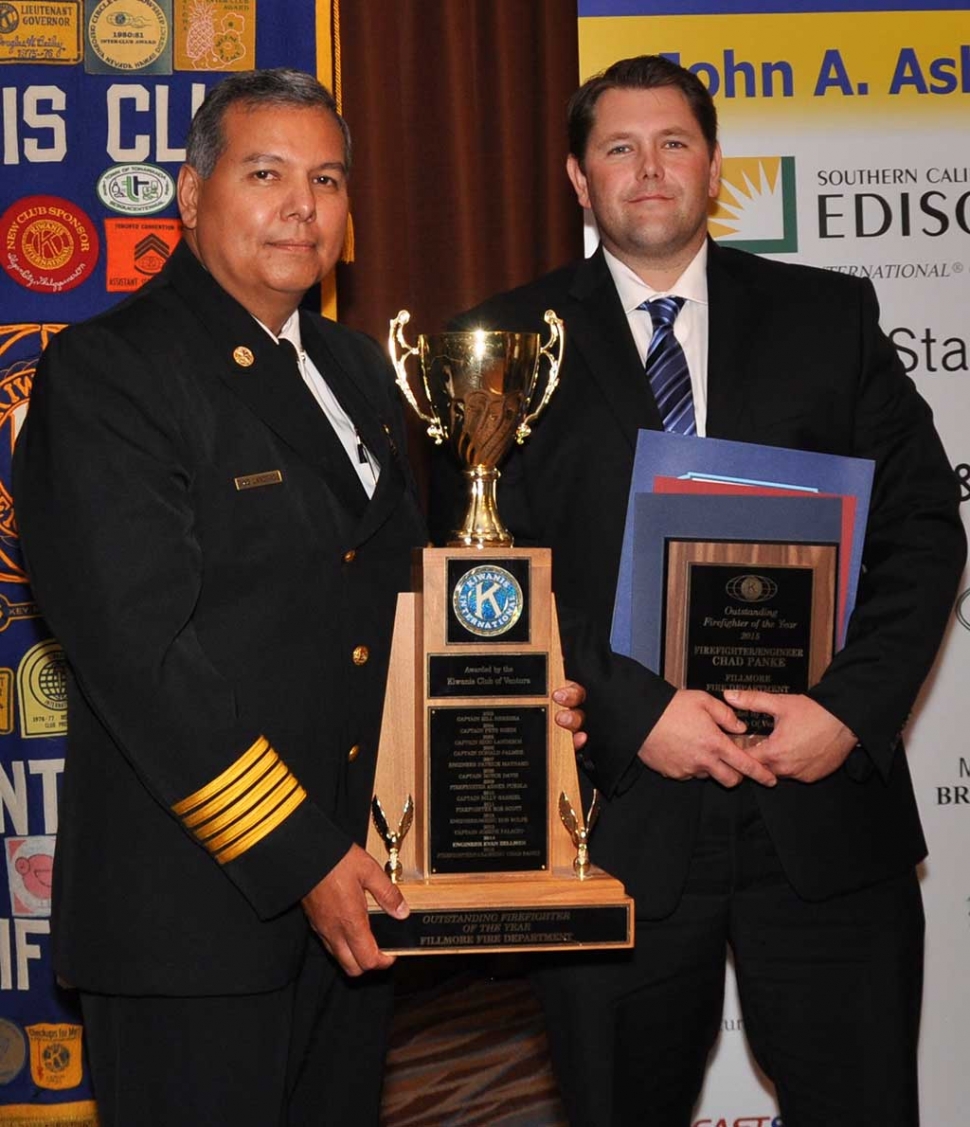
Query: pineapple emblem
(200,37)
(212,46)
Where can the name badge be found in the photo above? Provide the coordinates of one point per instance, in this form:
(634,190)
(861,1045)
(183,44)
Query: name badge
(255,480)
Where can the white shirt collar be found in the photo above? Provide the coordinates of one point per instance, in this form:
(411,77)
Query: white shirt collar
(290,331)
(633,290)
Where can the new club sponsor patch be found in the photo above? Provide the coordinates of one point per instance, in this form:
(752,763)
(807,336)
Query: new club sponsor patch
(34,32)
(47,244)
(215,34)
(137,250)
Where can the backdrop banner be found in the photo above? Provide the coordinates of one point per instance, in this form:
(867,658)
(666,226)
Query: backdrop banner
(843,126)
(96,99)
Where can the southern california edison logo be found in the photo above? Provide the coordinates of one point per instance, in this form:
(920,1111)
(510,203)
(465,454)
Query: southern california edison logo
(487,601)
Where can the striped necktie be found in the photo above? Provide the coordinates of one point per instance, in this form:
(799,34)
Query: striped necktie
(666,367)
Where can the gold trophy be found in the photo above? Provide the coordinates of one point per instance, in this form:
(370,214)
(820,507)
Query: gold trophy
(480,387)
(490,862)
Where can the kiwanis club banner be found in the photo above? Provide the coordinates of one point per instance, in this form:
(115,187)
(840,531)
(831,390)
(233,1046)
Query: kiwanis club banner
(843,126)
(95,100)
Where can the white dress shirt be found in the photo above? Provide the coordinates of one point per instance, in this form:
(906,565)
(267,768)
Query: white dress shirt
(367,467)
(690,328)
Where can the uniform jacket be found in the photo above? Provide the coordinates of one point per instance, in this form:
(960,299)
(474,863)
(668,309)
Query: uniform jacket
(224,592)
(796,359)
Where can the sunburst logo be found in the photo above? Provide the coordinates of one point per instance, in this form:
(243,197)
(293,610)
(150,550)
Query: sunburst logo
(755,209)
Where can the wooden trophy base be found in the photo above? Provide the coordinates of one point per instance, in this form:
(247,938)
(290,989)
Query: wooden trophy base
(468,733)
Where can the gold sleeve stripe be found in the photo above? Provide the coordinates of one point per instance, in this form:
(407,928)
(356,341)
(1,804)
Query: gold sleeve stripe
(266,764)
(231,774)
(255,794)
(265,811)
(243,804)
(247,841)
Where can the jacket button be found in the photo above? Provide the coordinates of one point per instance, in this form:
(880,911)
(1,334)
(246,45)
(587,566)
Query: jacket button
(350,556)
(353,753)
(360,655)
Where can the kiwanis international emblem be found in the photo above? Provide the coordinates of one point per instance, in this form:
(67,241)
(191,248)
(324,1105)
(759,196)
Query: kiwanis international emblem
(487,600)
(751,588)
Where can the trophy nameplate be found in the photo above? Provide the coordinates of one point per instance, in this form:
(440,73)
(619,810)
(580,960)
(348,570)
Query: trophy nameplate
(749,615)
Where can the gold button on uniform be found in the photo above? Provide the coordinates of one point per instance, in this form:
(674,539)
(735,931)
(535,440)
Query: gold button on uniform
(353,753)
(350,556)
(360,655)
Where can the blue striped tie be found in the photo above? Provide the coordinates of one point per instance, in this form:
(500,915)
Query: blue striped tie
(666,367)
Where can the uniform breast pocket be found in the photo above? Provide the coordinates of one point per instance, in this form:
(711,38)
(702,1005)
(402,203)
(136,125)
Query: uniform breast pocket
(256,512)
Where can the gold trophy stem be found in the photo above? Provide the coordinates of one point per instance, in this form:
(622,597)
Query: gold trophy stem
(482,527)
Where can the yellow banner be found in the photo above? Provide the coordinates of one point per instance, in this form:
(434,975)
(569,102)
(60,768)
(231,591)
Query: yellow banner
(869,65)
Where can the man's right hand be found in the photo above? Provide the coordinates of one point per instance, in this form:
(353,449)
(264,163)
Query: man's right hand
(690,741)
(337,911)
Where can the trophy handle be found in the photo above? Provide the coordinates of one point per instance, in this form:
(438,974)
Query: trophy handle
(395,341)
(557,336)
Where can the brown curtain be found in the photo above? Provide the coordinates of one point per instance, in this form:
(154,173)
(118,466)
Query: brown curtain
(457,108)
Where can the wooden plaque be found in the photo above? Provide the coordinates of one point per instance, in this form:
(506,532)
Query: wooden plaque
(749,615)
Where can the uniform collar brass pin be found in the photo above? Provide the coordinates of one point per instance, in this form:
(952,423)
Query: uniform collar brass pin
(243,356)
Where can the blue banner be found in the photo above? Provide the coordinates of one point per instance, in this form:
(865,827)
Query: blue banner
(95,101)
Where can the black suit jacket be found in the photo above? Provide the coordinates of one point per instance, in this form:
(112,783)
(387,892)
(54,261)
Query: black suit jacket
(796,359)
(210,625)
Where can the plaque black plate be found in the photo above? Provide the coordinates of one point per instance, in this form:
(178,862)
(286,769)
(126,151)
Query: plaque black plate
(488,789)
(457,931)
(488,675)
(736,641)
(458,632)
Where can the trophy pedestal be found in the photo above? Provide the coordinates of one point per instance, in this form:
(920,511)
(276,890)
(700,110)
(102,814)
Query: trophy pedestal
(468,734)
(465,916)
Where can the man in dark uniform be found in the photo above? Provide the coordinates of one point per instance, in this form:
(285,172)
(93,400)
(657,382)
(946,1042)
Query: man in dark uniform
(799,853)
(218,516)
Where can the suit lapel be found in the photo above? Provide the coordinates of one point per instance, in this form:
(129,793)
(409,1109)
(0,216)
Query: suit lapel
(596,326)
(732,329)
(256,370)
(350,378)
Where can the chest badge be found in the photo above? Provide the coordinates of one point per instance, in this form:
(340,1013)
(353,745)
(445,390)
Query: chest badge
(243,356)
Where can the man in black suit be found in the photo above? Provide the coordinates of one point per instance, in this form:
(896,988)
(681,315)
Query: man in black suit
(798,853)
(218,517)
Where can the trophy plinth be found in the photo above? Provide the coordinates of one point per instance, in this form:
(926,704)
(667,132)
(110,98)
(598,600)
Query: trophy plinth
(494,861)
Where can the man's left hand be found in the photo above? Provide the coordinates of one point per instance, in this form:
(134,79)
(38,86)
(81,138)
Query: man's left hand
(807,743)
(571,716)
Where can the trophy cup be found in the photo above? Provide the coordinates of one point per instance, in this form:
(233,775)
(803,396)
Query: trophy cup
(480,386)
(471,765)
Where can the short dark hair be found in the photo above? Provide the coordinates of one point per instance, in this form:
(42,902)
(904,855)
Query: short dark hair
(645,72)
(280,86)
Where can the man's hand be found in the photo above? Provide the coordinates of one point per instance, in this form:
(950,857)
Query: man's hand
(337,911)
(807,743)
(571,717)
(689,742)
